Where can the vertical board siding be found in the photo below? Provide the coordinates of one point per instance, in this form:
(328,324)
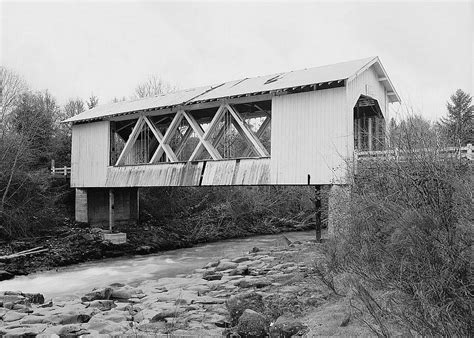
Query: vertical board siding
(357,87)
(89,154)
(161,175)
(310,137)
(227,172)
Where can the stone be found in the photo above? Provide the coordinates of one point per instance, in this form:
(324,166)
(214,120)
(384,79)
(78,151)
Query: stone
(152,328)
(224,265)
(34,298)
(254,283)
(33,320)
(236,305)
(120,294)
(287,327)
(209,300)
(75,319)
(211,275)
(102,305)
(23,331)
(240,259)
(97,294)
(4,275)
(166,313)
(50,304)
(103,326)
(72,330)
(22,308)
(252,324)
(13,298)
(211,265)
(242,270)
(12,316)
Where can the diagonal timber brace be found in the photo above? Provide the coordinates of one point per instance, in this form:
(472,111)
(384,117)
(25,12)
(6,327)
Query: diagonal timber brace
(164,147)
(248,134)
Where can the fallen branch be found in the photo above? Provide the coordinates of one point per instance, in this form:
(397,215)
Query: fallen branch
(24,253)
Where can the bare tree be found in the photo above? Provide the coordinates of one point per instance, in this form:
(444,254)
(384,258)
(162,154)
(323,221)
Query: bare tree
(12,86)
(153,86)
(73,107)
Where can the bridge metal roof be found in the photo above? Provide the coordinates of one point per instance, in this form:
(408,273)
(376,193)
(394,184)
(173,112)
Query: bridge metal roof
(248,86)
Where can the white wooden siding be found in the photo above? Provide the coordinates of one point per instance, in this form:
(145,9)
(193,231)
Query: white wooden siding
(358,86)
(310,135)
(90,154)
(251,171)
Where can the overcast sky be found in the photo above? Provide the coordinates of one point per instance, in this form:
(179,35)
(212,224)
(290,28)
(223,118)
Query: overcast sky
(75,48)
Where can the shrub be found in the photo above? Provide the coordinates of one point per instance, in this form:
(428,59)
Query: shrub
(410,234)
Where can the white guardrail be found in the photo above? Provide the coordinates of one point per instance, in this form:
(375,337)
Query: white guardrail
(60,171)
(398,155)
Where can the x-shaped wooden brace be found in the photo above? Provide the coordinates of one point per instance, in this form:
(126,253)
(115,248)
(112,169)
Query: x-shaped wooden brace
(142,120)
(204,137)
(164,146)
(239,124)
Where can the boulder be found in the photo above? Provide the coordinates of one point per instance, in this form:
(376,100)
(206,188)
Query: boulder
(4,275)
(74,319)
(97,294)
(252,324)
(236,305)
(242,270)
(120,294)
(226,265)
(12,316)
(72,330)
(23,331)
(102,305)
(254,283)
(211,275)
(240,259)
(286,327)
(166,313)
(35,298)
(211,265)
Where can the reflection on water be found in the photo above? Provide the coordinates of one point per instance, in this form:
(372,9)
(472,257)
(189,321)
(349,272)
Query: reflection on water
(78,279)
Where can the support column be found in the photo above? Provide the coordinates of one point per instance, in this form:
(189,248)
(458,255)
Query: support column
(338,209)
(81,209)
(317,212)
(111,210)
(370,136)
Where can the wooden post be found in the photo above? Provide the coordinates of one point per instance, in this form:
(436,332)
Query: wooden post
(369,127)
(317,212)
(111,210)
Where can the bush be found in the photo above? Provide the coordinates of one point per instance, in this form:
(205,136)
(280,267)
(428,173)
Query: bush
(410,234)
(211,213)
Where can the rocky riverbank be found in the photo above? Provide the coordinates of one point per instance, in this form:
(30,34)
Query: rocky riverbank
(258,293)
(70,245)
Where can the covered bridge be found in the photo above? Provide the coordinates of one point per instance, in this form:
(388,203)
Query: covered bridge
(292,128)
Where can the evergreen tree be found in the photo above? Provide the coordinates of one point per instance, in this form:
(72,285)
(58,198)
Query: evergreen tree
(459,124)
(93,101)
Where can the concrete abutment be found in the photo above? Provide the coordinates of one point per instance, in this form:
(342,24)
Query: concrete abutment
(92,206)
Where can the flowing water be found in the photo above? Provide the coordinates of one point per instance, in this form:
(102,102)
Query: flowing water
(81,278)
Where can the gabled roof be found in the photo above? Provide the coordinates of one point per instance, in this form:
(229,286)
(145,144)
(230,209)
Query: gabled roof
(244,87)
